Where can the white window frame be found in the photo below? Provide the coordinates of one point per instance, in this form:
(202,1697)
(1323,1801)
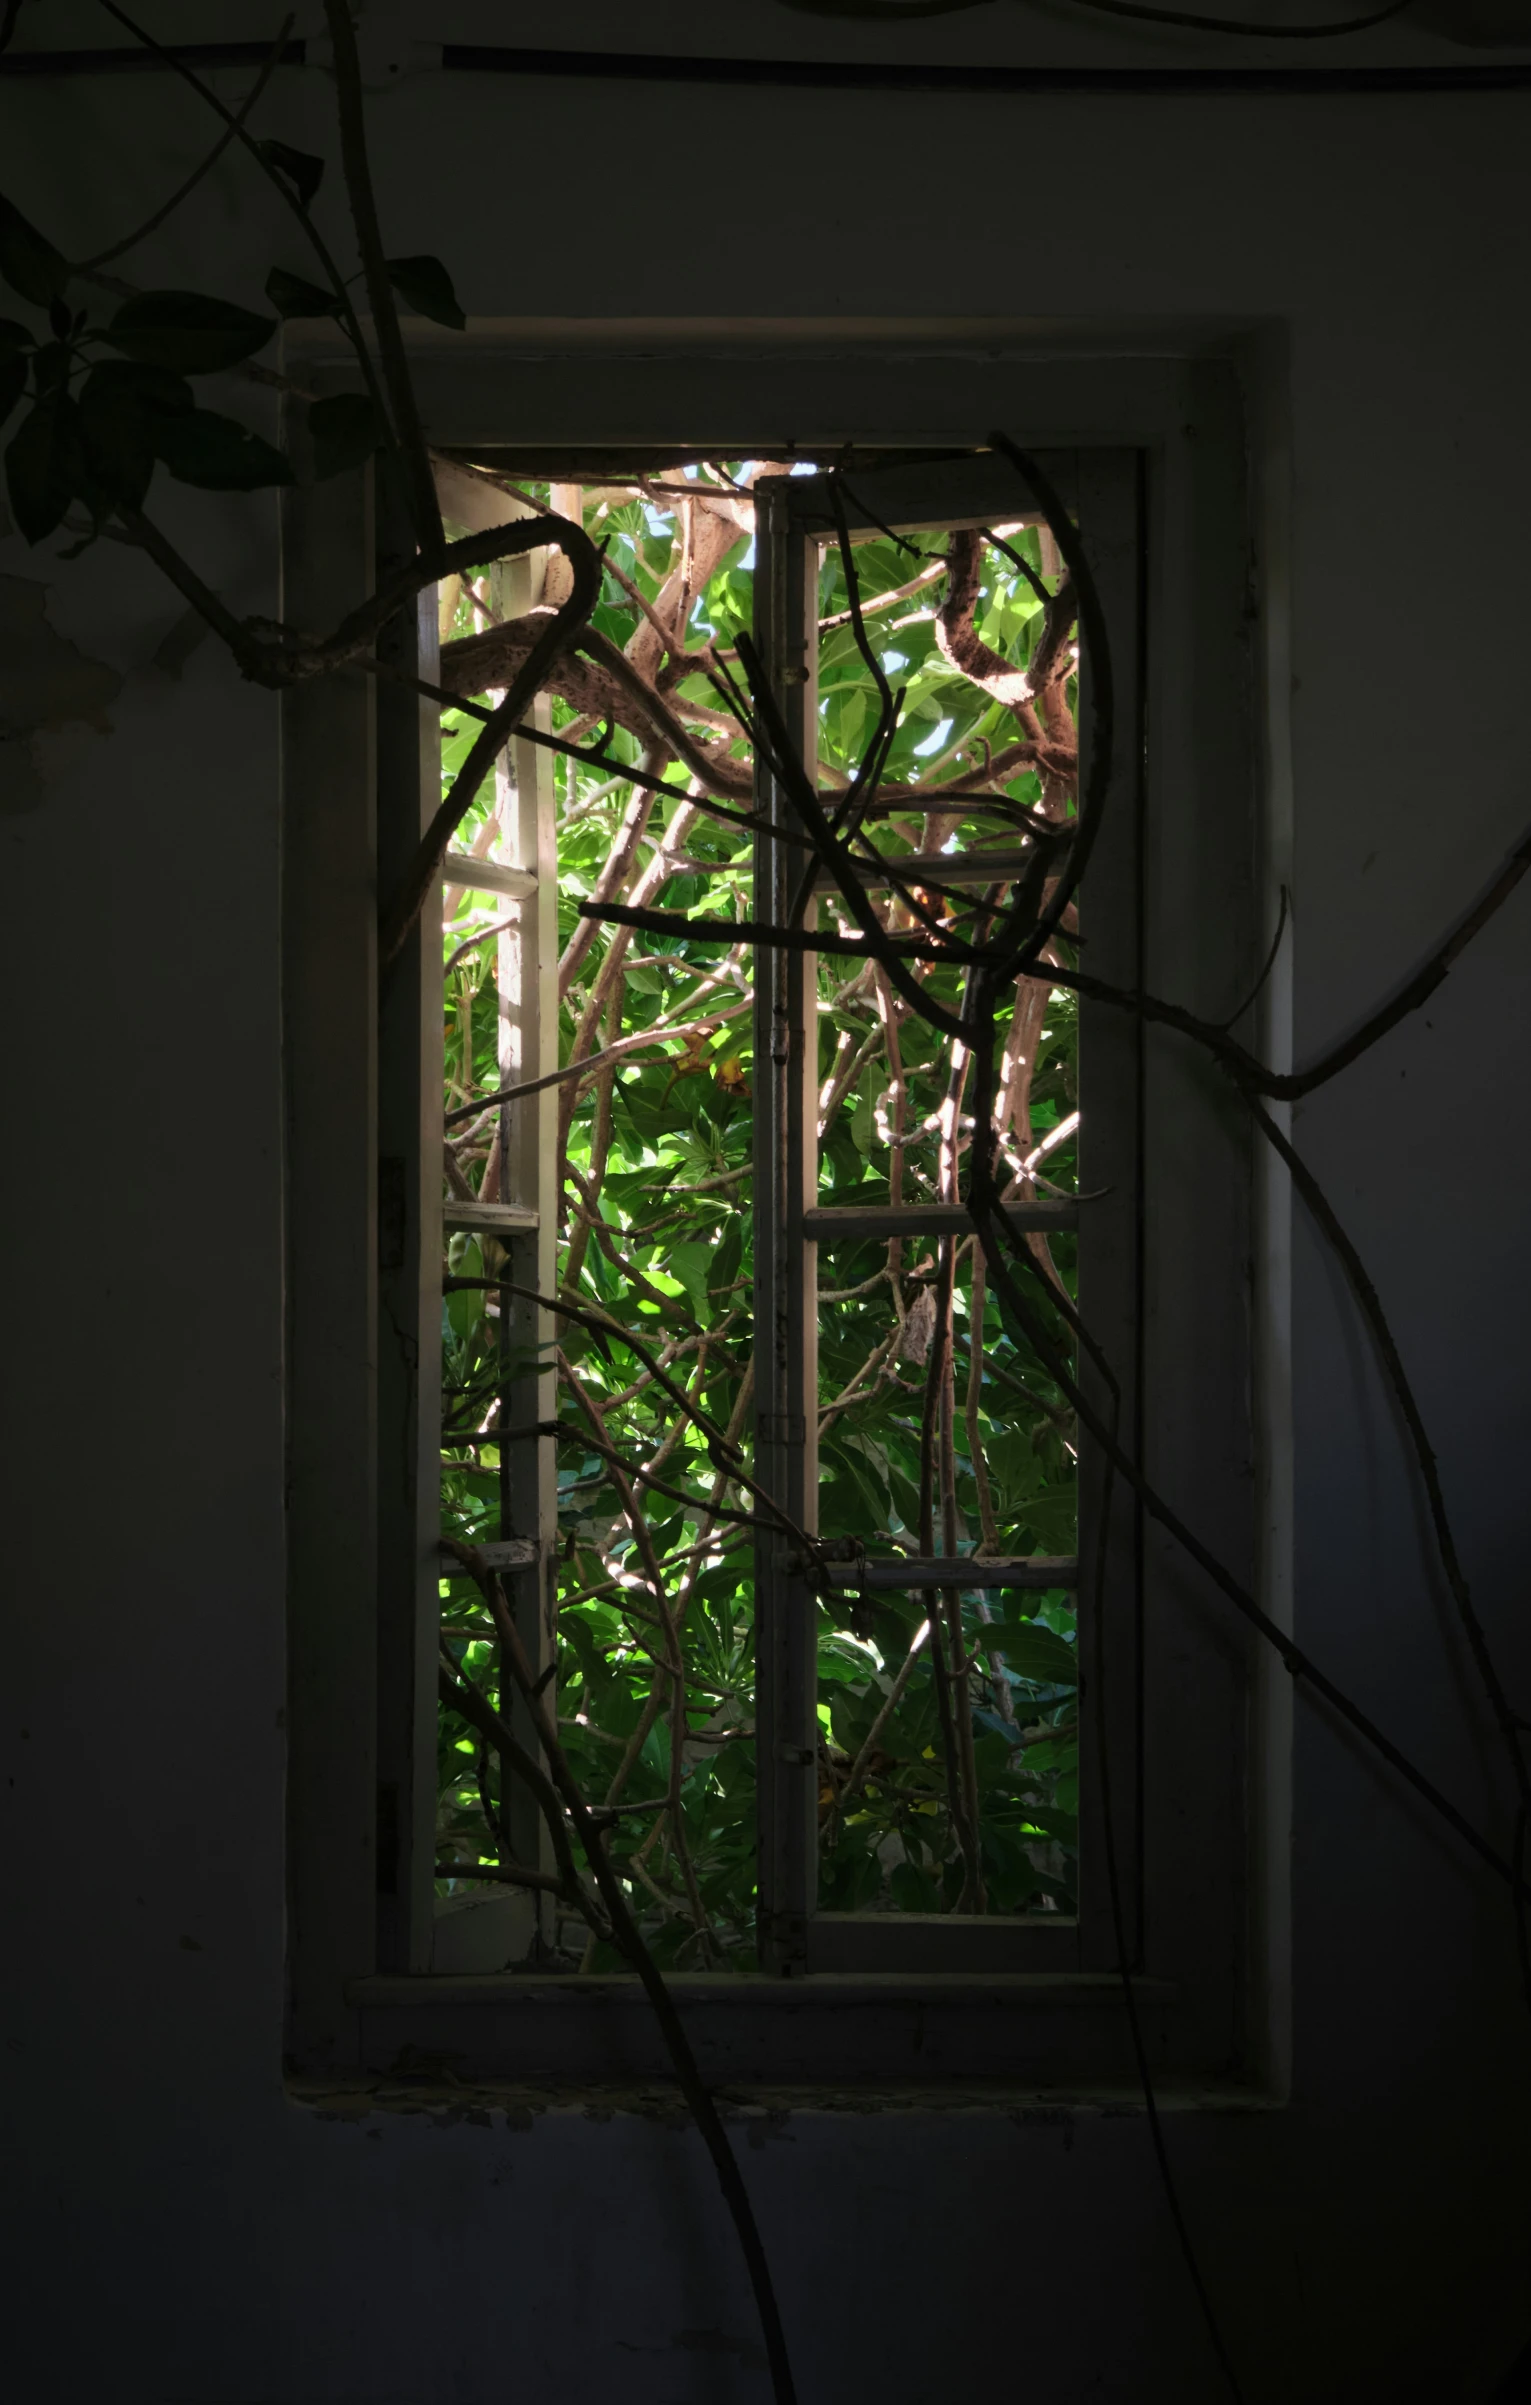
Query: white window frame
(360,780)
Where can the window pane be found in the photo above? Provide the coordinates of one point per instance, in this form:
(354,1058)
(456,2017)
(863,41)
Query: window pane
(652,1542)
(947,1736)
(947,1717)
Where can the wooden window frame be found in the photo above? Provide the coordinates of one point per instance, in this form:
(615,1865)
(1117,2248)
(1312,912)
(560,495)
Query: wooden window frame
(1195,1807)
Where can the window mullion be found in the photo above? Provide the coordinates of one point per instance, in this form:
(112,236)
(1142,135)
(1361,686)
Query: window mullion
(527,984)
(409,1302)
(786,1369)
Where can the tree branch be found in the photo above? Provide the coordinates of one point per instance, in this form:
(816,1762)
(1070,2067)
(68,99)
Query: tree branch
(403,911)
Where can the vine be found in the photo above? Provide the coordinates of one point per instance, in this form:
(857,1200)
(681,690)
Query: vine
(941,1057)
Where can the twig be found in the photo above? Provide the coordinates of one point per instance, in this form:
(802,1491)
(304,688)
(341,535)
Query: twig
(183,191)
(629,1938)
(673,1666)
(648,1039)
(888,1707)
(992,1229)
(344,309)
(1369,1303)
(402,914)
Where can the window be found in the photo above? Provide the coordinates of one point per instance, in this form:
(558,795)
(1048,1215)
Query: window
(901,1763)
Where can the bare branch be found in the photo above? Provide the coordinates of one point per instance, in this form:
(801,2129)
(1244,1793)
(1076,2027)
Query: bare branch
(404,910)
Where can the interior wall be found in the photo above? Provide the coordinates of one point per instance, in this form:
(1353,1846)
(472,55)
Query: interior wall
(180,2230)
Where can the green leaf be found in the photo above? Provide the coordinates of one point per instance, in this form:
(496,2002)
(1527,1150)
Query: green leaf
(294,296)
(653,1111)
(29,263)
(200,447)
(846,1508)
(345,430)
(303,171)
(692,1264)
(913,1889)
(190,332)
(424,286)
(44,466)
(726,1255)
(1061,1828)
(1034,1653)
(864,1116)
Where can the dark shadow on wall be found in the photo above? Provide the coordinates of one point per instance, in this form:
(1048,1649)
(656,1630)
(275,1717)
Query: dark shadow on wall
(1515,2387)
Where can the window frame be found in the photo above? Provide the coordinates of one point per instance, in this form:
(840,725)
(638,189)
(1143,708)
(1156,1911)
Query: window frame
(1104,488)
(358,784)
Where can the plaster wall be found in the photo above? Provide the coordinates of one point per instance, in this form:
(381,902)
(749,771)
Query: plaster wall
(179,2230)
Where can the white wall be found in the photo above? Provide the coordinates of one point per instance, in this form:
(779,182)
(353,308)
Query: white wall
(181,2230)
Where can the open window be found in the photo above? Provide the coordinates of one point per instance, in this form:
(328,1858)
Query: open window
(831,1704)
(680,1320)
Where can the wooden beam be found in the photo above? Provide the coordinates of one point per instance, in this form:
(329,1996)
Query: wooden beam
(490,1219)
(488,876)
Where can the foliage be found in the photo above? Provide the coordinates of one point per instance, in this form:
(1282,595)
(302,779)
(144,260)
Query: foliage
(98,427)
(659,1236)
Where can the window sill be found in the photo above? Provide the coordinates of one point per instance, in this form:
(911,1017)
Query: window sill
(860,2032)
(445,2098)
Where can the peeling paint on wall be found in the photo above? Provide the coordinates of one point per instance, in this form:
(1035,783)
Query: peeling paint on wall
(52,697)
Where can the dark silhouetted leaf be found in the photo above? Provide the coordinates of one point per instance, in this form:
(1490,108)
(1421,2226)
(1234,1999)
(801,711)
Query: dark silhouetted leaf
(199,447)
(303,171)
(44,467)
(189,332)
(424,286)
(119,449)
(14,336)
(13,381)
(130,384)
(345,430)
(294,296)
(121,409)
(29,264)
(50,368)
(1033,1652)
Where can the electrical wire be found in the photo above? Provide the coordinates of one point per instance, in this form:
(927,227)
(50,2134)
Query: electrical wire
(896,11)
(1234,25)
